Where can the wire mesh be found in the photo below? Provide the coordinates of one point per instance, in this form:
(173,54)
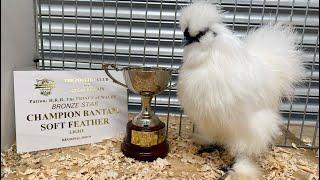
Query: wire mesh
(82,34)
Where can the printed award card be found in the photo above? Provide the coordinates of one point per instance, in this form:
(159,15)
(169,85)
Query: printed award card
(67,108)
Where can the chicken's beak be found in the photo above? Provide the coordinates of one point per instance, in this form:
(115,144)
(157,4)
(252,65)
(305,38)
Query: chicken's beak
(186,42)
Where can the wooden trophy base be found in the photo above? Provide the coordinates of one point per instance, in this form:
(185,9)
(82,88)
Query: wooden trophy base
(145,143)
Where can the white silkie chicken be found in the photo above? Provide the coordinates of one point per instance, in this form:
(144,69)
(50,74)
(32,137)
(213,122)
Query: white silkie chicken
(231,88)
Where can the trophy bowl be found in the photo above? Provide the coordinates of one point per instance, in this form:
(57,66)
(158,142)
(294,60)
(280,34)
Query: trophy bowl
(145,138)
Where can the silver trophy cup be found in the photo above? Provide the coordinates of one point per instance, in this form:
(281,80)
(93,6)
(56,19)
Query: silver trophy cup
(146,134)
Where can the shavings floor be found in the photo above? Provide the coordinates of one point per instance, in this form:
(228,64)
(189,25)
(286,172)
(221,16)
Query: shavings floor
(105,161)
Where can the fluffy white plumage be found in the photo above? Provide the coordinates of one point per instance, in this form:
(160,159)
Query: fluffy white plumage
(231,88)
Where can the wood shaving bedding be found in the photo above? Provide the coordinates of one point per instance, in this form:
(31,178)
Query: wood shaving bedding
(105,161)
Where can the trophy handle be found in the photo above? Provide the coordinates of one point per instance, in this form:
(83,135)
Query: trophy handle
(175,84)
(106,69)
(172,86)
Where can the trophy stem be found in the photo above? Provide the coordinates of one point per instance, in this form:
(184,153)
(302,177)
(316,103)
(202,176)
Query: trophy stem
(146,117)
(146,104)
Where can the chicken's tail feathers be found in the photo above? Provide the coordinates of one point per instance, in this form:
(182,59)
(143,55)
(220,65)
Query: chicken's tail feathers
(277,45)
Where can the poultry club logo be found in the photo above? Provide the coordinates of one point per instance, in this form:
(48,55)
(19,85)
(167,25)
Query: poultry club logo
(45,86)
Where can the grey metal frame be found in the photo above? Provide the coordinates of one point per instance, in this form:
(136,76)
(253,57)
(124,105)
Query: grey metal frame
(87,37)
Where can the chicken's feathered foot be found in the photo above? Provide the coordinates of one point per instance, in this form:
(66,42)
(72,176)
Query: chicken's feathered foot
(242,168)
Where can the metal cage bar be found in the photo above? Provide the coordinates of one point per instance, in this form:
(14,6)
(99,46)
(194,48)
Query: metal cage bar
(76,34)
